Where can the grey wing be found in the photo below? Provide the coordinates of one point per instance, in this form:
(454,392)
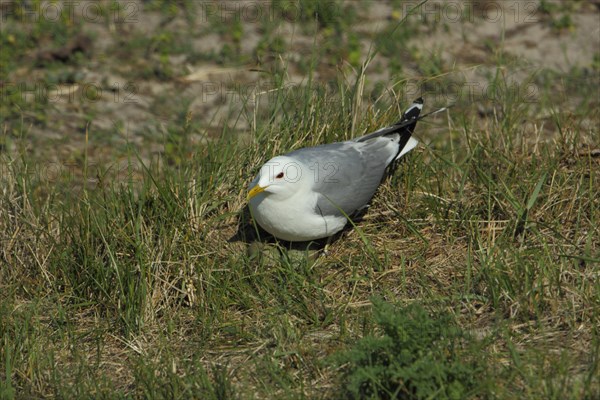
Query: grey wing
(347,174)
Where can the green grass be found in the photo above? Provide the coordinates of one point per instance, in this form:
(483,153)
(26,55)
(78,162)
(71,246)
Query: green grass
(137,277)
(417,357)
(117,279)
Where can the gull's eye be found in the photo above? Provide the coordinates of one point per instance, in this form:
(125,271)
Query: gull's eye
(279,175)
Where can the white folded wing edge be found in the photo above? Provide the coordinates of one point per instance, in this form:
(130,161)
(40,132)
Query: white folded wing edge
(411,144)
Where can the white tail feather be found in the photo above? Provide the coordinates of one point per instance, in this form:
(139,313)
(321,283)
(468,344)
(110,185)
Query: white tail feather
(411,144)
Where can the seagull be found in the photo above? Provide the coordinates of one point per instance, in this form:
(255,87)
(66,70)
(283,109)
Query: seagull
(312,193)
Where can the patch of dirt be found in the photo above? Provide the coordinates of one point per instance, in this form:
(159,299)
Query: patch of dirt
(130,93)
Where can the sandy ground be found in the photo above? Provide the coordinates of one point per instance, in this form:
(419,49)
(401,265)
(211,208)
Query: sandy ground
(107,96)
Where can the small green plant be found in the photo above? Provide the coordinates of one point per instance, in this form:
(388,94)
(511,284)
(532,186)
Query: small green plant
(558,14)
(417,357)
(565,22)
(270,45)
(546,7)
(596,62)
(333,14)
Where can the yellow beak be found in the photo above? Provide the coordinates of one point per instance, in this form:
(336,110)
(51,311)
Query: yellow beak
(255,190)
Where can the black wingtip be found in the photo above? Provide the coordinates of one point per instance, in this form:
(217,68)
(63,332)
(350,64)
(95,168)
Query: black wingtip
(412,113)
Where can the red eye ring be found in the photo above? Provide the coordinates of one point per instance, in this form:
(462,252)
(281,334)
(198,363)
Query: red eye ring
(279,175)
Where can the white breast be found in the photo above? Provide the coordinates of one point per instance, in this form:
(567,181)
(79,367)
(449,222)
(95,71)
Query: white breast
(288,220)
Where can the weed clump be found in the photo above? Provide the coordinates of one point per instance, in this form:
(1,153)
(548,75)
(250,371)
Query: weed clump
(417,357)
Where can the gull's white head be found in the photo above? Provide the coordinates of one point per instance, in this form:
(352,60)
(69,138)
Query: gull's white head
(280,178)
